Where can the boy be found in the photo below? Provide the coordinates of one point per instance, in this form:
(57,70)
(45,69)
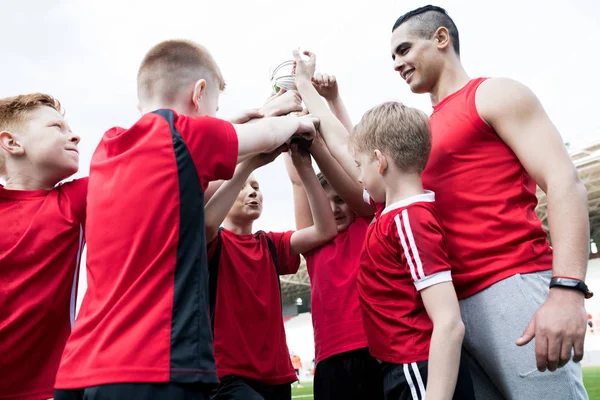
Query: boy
(345,367)
(41,238)
(411,314)
(143,328)
(250,346)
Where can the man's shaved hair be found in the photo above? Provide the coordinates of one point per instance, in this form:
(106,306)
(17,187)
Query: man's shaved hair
(171,66)
(424,21)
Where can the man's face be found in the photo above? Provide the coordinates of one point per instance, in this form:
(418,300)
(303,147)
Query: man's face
(417,59)
(49,143)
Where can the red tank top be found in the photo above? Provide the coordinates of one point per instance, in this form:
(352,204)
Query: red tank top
(486,198)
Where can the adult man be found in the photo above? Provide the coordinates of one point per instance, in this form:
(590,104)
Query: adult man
(492,143)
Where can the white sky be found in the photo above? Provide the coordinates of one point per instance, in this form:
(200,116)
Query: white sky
(86,53)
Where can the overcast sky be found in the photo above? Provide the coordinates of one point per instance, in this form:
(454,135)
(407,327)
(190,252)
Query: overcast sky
(86,53)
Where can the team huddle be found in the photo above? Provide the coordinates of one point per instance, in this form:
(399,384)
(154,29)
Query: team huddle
(431,275)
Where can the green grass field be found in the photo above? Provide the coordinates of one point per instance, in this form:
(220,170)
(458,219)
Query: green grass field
(591,379)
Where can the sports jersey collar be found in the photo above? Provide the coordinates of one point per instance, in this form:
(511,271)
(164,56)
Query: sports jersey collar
(427,196)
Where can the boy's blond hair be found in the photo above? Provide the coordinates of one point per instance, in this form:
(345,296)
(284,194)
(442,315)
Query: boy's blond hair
(14,112)
(400,132)
(173,65)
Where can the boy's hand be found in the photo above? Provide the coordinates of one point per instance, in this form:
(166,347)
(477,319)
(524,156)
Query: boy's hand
(326,85)
(263,159)
(304,69)
(282,103)
(300,158)
(307,127)
(246,116)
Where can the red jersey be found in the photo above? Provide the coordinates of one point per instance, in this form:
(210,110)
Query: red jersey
(249,337)
(41,240)
(404,253)
(336,314)
(486,198)
(144,317)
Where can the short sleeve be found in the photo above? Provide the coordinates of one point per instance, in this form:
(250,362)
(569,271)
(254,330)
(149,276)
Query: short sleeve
(76,192)
(421,242)
(213,145)
(288,263)
(378,207)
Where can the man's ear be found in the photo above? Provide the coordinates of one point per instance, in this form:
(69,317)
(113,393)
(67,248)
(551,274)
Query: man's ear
(198,92)
(10,144)
(382,162)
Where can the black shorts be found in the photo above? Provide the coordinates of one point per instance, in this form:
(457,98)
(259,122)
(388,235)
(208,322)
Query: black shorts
(408,381)
(138,391)
(353,375)
(232,387)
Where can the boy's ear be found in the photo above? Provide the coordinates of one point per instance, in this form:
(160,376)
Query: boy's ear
(381,162)
(198,93)
(10,144)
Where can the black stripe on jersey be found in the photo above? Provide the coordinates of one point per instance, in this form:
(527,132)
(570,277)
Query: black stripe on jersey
(191,359)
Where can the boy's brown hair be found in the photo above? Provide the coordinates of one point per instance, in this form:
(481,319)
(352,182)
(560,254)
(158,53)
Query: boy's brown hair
(400,132)
(15,110)
(173,64)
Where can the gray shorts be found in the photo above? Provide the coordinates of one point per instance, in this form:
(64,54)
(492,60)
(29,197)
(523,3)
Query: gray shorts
(494,319)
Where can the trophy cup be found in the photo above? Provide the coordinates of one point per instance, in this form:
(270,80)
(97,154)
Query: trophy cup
(282,77)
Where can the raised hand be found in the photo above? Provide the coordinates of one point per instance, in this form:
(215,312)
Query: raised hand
(263,159)
(326,85)
(282,103)
(300,158)
(304,69)
(245,116)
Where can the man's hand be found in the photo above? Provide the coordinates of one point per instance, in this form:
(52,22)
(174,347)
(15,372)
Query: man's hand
(282,103)
(304,69)
(326,85)
(559,327)
(246,116)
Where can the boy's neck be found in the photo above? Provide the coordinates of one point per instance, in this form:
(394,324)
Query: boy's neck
(402,186)
(27,182)
(238,227)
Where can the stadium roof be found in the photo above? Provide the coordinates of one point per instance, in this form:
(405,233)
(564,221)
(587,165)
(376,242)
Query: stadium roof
(587,162)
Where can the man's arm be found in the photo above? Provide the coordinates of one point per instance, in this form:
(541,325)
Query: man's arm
(222,200)
(518,117)
(324,228)
(267,134)
(441,304)
(327,87)
(350,190)
(334,133)
(302,211)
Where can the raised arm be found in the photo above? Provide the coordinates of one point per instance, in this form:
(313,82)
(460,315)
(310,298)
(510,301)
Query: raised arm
(302,212)
(324,228)
(518,117)
(350,190)
(327,87)
(332,130)
(222,200)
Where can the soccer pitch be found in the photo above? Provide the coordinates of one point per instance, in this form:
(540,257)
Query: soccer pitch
(591,379)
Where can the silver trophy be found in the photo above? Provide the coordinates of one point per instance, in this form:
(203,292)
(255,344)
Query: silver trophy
(282,76)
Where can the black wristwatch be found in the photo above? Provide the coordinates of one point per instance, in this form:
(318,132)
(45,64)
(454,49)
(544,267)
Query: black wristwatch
(571,283)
